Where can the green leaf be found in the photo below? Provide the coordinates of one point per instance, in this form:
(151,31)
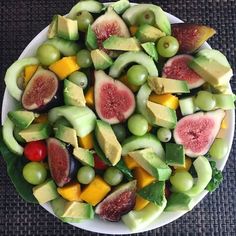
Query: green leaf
(154,192)
(217,178)
(120,165)
(15,166)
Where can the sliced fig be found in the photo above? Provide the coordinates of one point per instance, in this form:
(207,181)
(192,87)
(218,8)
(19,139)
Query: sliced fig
(197,132)
(109,24)
(61,164)
(177,68)
(42,92)
(114,102)
(118,203)
(191,36)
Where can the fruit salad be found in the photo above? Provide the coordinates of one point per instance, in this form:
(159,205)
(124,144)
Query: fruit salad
(118,115)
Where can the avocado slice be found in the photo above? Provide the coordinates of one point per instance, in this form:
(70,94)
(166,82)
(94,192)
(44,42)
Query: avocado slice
(21,118)
(90,6)
(108,142)
(165,85)
(9,139)
(52,31)
(101,60)
(120,6)
(179,202)
(137,220)
(67,135)
(133,57)
(35,132)
(161,115)
(131,14)
(84,156)
(148,33)
(211,70)
(152,163)
(121,43)
(67,28)
(150,49)
(175,155)
(91,39)
(73,94)
(46,191)
(140,142)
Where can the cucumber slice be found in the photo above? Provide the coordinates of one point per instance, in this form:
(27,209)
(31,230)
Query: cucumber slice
(146,141)
(13,73)
(121,6)
(161,19)
(133,57)
(204,173)
(9,139)
(90,6)
(82,119)
(187,106)
(66,47)
(141,100)
(225,101)
(137,220)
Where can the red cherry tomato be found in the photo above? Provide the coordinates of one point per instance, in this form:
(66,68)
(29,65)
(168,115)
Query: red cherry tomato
(35,151)
(98,163)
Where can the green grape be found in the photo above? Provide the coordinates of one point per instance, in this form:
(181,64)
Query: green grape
(205,100)
(182,181)
(35,173)
(164,135)
(113,176)
(120,132)
(85,174)
(137,75)
(218,149)
(167,46)
(137,125)
(79,78)
(84,59)
(147,17)
(84,19)
(47,54)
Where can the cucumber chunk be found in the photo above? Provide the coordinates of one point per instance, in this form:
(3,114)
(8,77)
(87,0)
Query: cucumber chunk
(9,139)
(13,73)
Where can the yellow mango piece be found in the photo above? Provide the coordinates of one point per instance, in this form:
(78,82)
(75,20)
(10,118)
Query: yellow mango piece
(124,80)
(140,203)
(28,73)
(143,177)
(96,191)
(42,118)
(167,100)
(64,67)
(70,192)
(133,29)
(187,165)
(87,141)
(89,97)
(130,162)
(224,124)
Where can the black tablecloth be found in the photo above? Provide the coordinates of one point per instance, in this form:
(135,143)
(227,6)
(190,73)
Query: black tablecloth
(20,21)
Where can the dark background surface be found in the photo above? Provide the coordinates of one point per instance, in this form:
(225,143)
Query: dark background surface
(20,21)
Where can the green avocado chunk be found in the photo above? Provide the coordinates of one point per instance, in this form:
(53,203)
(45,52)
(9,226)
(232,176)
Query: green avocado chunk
(131,14)
(91,39)
(150,49)
(52,31)
(84,156)
(46,191)
(179,202)
(175,155)
(21,118)
(101,60)
(137,220)
(152,163)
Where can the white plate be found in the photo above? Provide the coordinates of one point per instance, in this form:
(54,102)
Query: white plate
(98,225)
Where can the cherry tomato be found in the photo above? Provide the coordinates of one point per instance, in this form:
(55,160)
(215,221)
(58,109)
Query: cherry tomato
(98,163)
(35,151)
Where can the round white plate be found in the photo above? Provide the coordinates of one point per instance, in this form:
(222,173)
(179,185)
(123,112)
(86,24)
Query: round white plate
(98,225)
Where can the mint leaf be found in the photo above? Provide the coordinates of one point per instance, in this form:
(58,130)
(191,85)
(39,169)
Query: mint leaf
(154,192)
(216,179)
